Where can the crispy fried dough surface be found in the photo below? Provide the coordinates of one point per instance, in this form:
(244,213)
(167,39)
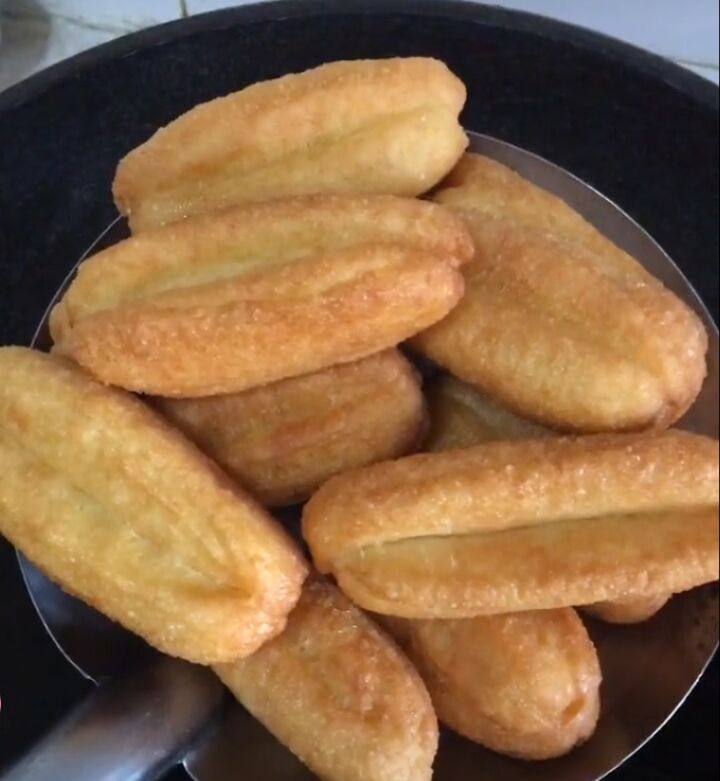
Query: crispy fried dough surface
(282,441)
(557,324)
(512,526)
(628,610)
(524,684)
(339,694)
(462,417)
(367,126)
(123,512)
(229,301)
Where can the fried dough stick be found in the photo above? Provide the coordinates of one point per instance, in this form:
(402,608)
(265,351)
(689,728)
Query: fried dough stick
(122,511)
(557,324)
(236,299)
(512,526)
(282,441)
(339,694)
(366,126)
(460,416)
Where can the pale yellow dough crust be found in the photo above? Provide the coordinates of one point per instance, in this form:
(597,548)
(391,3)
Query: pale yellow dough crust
(244,297)
(557,324)
(523,684)
(628,610)
(512,526)
(120,510)
(339,694)
(366,126)
(461,416)
(282,441)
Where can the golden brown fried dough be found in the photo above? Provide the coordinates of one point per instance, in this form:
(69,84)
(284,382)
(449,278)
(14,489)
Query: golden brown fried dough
(461,417)
(512,526)
(558,324)
(630,610)
(123,512)
(524,684)
(281,441)
(367,126)
(339,694)
(228,301)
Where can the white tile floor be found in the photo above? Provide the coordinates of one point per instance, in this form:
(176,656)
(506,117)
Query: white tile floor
(38,33)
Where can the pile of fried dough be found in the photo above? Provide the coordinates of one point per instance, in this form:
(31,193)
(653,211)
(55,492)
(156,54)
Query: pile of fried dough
(279,255)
